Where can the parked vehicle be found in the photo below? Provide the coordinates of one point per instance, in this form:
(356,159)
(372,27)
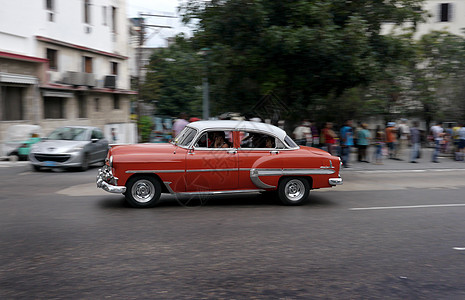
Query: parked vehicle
(70,146)
(20,138)
(219,157)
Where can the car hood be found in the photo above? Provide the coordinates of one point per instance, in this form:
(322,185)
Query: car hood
(57,146)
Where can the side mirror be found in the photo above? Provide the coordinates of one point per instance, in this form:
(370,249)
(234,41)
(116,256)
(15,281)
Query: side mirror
(94,140)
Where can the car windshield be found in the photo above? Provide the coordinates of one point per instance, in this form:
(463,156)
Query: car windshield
(69,134)
(185,137)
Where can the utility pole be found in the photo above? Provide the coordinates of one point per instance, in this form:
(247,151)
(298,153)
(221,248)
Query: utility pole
(141,41)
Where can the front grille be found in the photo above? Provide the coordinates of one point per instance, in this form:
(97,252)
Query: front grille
(52,157)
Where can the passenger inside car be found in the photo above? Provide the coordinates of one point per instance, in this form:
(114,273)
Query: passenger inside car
(219,140)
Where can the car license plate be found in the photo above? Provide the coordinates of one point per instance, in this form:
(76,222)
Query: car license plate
(50,163)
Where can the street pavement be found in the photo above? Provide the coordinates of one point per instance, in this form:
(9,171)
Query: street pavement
(392,231)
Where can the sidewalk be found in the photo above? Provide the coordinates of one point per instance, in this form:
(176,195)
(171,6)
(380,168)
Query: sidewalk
(445,162)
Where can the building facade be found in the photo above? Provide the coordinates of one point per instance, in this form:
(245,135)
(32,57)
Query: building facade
(443,15)
(65,62)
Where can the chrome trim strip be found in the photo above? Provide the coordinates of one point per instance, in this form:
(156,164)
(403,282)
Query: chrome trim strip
(220,192)
(168,187)
(254,176)
(287,172)
(154,171)
(256,173)
(210,170)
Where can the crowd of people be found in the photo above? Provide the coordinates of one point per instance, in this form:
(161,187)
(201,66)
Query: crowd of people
(387,142)
(391,142)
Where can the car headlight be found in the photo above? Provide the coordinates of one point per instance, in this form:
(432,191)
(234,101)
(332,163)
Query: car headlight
(76,149)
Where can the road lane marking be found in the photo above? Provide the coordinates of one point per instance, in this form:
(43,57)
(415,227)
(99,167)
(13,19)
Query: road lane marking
(459,248)
(406,207)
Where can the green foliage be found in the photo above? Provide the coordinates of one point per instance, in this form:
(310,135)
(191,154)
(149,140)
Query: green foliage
(174,79)
(145,125)
(301,50)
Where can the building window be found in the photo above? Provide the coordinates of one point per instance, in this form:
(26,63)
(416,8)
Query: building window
(82,106)
(113,19)
(11,100)
(50,6)
(445,12)
(87,11)
(114,68)
(87,64)
(104,16)
(115,101)
(52,56)
(97,104)
(54,108)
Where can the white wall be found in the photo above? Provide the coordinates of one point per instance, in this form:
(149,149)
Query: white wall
(22,20)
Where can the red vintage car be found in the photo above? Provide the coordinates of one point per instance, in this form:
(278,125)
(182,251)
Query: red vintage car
(219,157)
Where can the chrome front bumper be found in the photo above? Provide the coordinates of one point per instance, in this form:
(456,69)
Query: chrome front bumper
(335,181)
(104,176)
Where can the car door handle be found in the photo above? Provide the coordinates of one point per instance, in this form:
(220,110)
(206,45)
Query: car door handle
(232,151)
(274,152)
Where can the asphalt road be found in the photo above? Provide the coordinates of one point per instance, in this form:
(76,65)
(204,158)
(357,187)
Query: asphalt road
(387,234)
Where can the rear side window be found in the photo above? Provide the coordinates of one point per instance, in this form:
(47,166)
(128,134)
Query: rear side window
(255,140)
(290,142)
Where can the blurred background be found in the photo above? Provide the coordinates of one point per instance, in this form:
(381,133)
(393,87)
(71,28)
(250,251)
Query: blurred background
(132,67)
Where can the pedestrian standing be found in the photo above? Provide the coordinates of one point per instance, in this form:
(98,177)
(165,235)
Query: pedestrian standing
(415,140)
(315,134)
(461,137)
(329,137)
(347,141)
(438,135)
(391,139)
(403,132)
(179,124)
(363,140)
(301,133)
(379,143)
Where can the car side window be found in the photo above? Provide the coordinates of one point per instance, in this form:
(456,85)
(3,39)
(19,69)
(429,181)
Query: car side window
(257,140)
(97,134)
(202,142)
(215,139)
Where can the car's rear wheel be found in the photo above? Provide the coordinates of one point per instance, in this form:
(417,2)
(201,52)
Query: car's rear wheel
(293,190)
(143,191)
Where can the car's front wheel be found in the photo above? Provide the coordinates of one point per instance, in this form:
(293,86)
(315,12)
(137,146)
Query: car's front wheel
(85,162)
(293,190)
(143,191)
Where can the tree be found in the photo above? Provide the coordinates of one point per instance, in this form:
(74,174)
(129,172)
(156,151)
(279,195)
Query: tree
(174,79)
(300,50)
(439,76)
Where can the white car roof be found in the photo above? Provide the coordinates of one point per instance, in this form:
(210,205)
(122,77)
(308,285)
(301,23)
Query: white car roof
(239,125)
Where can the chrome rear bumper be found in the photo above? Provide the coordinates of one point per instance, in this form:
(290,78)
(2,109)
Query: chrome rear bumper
(335,181)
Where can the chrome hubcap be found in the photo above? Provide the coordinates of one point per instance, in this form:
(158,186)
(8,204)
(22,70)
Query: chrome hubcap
(295,190)
(143,191)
